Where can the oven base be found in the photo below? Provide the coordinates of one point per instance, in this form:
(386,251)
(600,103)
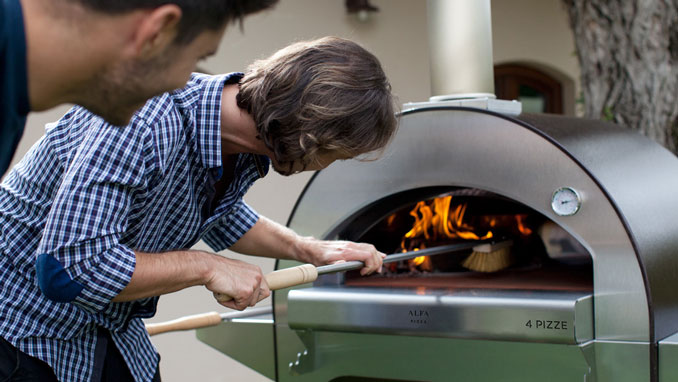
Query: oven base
(319,356)
(315,356)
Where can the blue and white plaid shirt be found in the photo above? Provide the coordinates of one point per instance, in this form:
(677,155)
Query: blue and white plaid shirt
(86,196)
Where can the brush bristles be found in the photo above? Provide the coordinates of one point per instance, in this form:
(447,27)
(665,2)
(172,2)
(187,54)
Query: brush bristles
(492,261)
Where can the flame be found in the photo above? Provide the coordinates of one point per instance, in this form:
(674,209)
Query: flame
(438,220)
(435,220)
(521,225)
(390,220)
(417,261)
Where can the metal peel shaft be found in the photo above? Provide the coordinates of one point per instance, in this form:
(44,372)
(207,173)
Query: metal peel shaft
(352,265)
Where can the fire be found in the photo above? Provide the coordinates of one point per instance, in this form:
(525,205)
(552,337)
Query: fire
(417,261)
(520,219)
(435,221)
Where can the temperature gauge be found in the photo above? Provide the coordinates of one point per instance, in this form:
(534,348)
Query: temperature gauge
(565,201)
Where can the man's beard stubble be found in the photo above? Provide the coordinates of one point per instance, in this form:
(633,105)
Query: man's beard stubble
(119,91)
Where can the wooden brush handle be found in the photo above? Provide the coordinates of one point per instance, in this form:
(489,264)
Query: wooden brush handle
(283,278)
(185,323)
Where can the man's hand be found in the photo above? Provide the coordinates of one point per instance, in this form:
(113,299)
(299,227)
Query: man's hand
(156,274)
(242,281)
(270,239)
(323,252)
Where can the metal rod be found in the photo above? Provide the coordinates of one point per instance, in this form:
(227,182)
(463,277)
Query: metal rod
(247,313)
(204,320)
(352,265)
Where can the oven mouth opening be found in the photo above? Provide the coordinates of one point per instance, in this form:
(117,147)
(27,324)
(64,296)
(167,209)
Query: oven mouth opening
(542,255)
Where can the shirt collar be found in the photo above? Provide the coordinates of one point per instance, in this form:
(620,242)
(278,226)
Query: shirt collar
(208,117)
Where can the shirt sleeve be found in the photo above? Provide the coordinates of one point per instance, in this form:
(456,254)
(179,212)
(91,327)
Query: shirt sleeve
(231,227)
(80,258)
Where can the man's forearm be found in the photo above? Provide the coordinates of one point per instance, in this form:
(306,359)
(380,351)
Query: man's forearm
(160,273)
(156,274)
(270,239)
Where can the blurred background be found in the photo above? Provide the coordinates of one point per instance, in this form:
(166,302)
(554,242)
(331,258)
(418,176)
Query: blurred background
(535,61)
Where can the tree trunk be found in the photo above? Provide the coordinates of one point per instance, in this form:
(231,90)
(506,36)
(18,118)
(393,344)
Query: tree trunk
(628,53)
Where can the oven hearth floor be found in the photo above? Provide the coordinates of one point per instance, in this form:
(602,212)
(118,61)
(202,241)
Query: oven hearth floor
(545,278)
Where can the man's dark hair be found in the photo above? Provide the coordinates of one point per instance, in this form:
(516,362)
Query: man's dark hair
(197,15)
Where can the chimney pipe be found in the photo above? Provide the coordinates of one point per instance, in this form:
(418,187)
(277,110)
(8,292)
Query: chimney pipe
(460,45)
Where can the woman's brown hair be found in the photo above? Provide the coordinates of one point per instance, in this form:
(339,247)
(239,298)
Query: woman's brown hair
(323,96)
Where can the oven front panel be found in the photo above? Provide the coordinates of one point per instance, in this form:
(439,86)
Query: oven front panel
(527,316)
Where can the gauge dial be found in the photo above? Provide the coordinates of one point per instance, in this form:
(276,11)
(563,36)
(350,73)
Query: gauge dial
(565,201)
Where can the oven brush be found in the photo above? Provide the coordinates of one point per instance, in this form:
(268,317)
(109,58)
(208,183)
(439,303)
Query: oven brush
(490,257)
(306,273)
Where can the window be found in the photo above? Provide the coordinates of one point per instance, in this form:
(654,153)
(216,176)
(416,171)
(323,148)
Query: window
(536,90)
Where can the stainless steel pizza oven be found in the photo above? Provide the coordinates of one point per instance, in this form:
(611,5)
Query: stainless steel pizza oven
(589,293)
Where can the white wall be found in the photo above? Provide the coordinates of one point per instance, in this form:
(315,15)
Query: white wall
(533,31)
(537,33)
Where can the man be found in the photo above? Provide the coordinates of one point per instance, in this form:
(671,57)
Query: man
(108,56)
(96,218)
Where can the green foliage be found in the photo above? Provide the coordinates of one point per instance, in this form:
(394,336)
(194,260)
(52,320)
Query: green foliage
(580,100)
(608,115)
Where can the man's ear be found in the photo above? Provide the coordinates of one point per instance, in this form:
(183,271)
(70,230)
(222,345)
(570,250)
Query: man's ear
(157,30)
